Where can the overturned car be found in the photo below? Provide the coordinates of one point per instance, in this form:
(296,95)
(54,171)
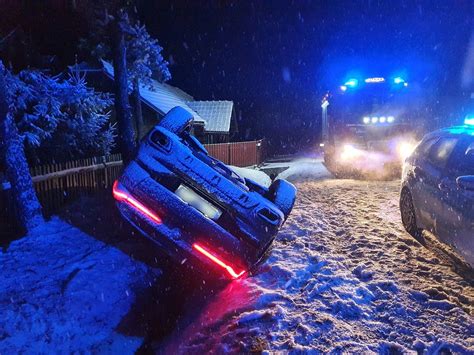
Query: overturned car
(195,207)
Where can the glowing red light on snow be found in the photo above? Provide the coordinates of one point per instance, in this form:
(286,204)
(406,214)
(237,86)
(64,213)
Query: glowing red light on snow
(123,196)
(221,263)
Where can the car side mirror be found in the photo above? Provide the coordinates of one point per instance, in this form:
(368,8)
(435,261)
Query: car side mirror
(466,182)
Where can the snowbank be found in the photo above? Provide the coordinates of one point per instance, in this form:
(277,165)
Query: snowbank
(64,291)
(253,174)
(343,277)
(305,169)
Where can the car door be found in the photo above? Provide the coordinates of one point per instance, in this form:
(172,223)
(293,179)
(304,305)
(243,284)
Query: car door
(430,172)
(456,225)
(415,173)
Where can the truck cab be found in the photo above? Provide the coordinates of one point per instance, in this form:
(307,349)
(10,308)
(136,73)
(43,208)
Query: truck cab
(369,127)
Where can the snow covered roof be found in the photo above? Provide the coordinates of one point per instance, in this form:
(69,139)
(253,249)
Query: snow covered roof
(217,114)
(161,97)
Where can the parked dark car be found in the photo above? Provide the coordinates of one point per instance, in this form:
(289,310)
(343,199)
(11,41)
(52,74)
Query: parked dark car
(194,206)
(437,191)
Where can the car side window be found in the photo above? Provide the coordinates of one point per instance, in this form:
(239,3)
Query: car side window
(464,163)
(440,152)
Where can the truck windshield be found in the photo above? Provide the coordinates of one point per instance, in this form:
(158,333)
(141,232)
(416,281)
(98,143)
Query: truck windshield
(379,100)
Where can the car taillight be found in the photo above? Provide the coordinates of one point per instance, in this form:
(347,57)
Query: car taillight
(219,261)
(121,195)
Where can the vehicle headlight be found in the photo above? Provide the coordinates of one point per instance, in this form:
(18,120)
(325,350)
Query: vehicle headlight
(349,152)
(404,149)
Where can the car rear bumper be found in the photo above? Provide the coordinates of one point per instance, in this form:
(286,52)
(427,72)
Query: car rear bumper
(185,233)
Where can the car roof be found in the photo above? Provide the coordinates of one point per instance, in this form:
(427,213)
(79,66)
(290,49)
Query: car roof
(466,130)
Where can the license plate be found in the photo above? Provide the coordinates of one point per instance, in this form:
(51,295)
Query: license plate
(202,205)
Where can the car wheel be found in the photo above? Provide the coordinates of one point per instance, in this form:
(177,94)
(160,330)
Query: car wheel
(177,120)
(407,211)
(283,195)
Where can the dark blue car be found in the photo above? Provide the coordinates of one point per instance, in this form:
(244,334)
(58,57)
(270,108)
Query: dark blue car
(438,188)
(194,206)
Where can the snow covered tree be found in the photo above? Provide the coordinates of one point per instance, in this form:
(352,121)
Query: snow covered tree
(119,25)
(109,21)
(60,119)
(109,24)
(50,119)
(13,155)
(144,62)
(83,128)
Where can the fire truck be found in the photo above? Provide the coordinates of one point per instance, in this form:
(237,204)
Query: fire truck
(370,125)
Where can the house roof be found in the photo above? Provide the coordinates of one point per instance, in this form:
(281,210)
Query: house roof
(161,97)
(217,114)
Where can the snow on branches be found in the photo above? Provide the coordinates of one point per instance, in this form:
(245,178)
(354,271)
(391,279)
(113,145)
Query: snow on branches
(144,57)
(60,118)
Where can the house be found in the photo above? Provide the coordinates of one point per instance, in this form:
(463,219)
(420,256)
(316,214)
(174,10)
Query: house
(214,121)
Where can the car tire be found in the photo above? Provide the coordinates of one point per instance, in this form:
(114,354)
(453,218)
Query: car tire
(177,120)
(407,211)
(283,194)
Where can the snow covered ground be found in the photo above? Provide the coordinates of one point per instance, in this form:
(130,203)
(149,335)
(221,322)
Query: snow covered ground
(343,276)
(63,291)
(304,168)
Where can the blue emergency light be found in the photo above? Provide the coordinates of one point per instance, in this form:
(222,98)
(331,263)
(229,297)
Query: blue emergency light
(351,83)
(398,80)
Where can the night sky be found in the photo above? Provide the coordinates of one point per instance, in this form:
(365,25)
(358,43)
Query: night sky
(276,59)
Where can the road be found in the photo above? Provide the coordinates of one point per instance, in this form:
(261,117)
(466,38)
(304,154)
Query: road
(343,275)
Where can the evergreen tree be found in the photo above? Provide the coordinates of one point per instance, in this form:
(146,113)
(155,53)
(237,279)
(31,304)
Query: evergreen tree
(144,62)
(143,59)
(60,119)
(119,25)
(52,118)
(109,23)
(83,129)
(17,172)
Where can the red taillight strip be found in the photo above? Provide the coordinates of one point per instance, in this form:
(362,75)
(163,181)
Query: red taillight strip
(218,261)
(123,196)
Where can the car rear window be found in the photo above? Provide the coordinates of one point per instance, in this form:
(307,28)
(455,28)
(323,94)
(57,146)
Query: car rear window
(441,150)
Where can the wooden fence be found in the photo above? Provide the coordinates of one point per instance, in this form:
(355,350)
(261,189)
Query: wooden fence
(58,184)
(240,153)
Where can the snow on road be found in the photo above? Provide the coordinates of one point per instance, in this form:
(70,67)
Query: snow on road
(343,276)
